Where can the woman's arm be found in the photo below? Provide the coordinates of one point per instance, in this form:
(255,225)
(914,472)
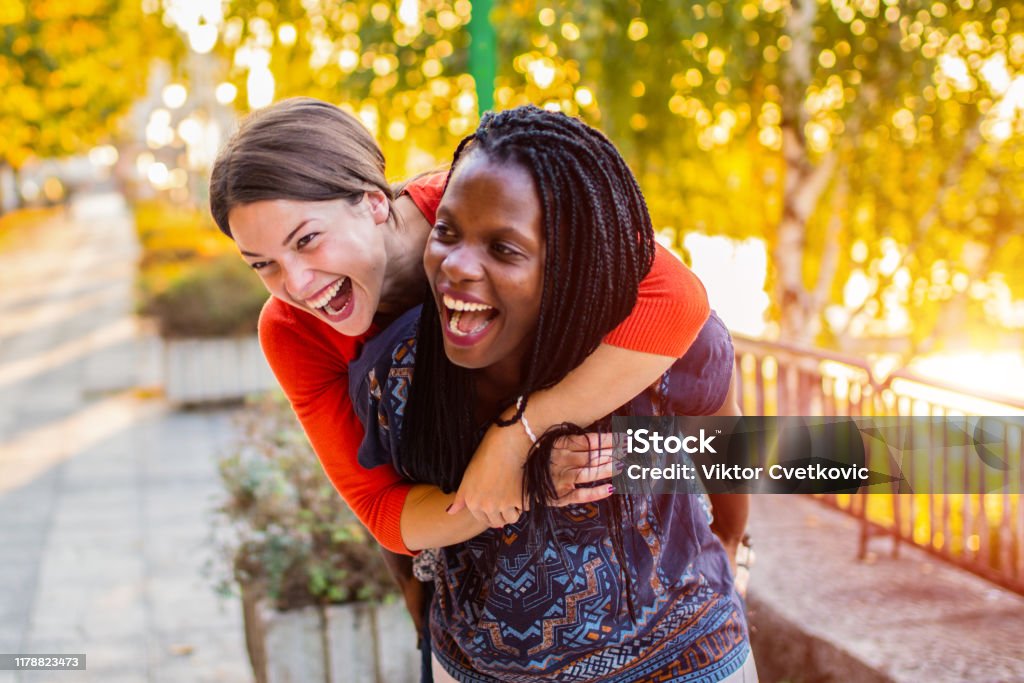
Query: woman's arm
(671,308)
(427,524)
(492,485)
(310,361)
(312,364)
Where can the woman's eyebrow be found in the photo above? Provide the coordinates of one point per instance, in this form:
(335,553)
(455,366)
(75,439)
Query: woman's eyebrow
(284,243)
(289,236)
(501,230)
(509,230)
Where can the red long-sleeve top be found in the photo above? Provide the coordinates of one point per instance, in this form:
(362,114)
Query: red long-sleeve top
(310,361)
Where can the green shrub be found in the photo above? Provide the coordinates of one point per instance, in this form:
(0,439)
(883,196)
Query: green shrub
(289,535)
(191,278)
(203,297)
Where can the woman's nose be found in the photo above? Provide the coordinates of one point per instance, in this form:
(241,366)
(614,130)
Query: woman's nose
(298,281)
(462,263)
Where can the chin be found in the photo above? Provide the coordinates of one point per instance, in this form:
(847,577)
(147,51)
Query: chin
(352,327)
(464,358)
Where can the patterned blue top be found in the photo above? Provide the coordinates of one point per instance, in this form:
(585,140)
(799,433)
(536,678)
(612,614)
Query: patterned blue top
(505,610)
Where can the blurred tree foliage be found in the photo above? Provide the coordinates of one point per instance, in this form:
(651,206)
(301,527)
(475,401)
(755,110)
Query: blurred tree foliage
(68,68)
(874,145)
(400,66)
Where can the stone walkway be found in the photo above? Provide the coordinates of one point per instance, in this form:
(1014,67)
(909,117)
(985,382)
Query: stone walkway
(105,494)
(820,614)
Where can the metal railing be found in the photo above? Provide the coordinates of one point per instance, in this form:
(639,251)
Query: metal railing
(982,533)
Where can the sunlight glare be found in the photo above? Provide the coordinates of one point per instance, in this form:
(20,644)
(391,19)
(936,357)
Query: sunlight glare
(741,302)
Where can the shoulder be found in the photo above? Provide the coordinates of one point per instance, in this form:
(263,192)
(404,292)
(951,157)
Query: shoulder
(292,339)
(425,191)
(669,270)
(699,382)
(280,321)
(670,308)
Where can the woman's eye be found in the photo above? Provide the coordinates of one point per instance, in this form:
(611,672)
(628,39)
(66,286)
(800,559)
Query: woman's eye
(443,232)
(305,239)
(259,265)
(505,250)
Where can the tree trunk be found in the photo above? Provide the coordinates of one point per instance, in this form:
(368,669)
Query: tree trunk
(10,198)
(799,319)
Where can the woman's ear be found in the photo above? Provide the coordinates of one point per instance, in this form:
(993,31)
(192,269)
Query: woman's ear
(380,207)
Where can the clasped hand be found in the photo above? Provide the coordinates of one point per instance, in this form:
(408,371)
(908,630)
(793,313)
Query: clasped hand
(492,486)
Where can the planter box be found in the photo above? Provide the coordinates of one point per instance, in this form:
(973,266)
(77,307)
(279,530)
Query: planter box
(211,370)
(356,643)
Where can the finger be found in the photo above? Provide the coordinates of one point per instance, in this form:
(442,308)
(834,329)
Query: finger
(511,515)
(585,495)
(566,478)
(494,518)
(459,505)
(596,473)
(599,440)
(573,442)
(483,517)
(583,447)
(579,459)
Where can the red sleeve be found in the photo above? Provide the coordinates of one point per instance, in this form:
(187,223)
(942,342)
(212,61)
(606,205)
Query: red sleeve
(671,305)
(426,192)
(310,361)
(670,310)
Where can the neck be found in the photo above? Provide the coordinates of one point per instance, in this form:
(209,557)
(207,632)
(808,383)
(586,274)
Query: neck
(405,237)
(497,386)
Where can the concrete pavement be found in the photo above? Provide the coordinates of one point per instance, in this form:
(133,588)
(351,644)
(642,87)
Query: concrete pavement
(819,614)
(105,494)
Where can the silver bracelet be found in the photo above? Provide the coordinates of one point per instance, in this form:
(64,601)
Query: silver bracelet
(522,418)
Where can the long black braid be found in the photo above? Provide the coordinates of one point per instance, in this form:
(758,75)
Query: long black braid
(599,246)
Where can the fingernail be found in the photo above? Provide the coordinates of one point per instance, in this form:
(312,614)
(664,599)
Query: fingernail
(619,466)
(611,489)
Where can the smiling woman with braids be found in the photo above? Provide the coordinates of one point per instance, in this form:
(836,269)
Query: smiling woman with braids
(541,242)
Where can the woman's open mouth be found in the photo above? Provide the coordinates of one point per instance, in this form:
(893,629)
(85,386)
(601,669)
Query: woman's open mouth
(465,322)
(336,301)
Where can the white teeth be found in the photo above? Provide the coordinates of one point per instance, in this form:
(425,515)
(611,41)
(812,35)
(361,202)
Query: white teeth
(453,325)
(459,305)
(324,298)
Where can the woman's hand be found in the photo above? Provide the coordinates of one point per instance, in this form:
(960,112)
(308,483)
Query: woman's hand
(582,459)
(492,487)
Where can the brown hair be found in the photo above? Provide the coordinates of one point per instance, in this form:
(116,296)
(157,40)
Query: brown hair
(301,149)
